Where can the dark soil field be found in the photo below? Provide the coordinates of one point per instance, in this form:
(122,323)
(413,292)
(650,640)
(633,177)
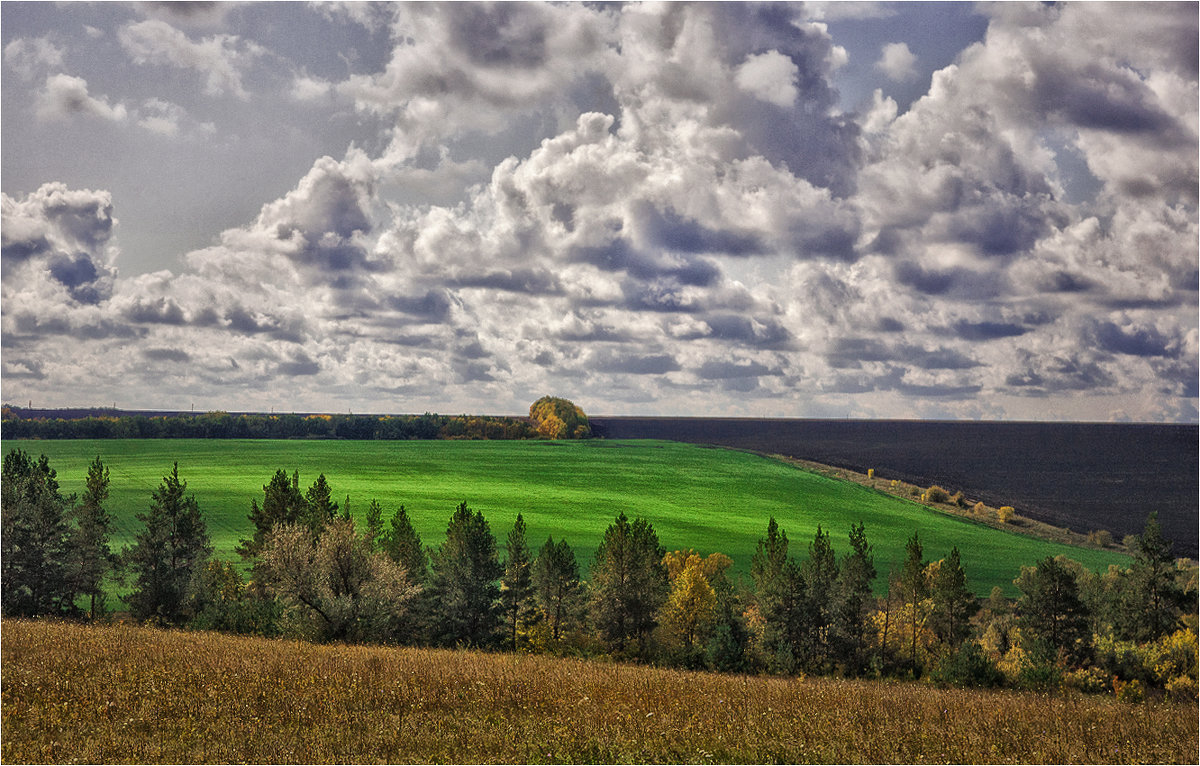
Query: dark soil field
(1084,476)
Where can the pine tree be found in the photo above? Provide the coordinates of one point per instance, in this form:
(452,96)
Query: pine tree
(852,603)
(463,587)
(283,503)
(819,573)
(321,508)
(779,590)
(557,585)
(516,586)
(953,604)
(36,561)
(914,589)
(373,534)
(629,583)
(1151,600)
(403,545)
(93,558)
(168,553)
(1051,611)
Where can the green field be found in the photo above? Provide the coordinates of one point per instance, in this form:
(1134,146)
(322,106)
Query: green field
(696,497)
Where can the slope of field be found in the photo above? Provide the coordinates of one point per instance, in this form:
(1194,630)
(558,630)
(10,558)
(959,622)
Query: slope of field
(702,498)
(1084,476)
(136,695)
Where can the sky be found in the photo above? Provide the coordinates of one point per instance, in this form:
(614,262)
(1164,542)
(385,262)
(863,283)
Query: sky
(829,210)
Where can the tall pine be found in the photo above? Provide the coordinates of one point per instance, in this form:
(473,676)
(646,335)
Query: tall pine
(93,558)
(629,583)
(516,586)
(953,603)
(557,585)
(852,603)
(463,582)
(168,553)
(35,534)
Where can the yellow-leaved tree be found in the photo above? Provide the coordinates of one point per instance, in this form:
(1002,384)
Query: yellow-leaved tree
(690,612)
(557,418)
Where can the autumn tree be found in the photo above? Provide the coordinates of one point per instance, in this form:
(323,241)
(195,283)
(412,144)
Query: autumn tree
(168,553)
(557,586)
(35,535)
(690,611)
(336,587)
(851,603)
(953,604)
(628,583)
(92,557)
(557,418)
(463,582)
(516,585)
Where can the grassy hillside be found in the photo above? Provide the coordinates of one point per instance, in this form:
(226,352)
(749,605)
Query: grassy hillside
(137,695)
(704,498)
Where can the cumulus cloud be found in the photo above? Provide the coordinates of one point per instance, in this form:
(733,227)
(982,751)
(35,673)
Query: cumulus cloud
(897,62)
(28,57)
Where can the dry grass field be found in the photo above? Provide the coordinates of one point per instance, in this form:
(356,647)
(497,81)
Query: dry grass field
(127,694)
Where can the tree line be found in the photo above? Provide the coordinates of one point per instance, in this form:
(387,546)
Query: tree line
(312,571)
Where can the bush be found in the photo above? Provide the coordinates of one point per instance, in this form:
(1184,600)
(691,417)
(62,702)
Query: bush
(969,665)
(1129,691)
(870,473)
(936,494)
(979,508)
(1088,680)
(1182,689)
(1005,513)
(959,499)
(1100,537)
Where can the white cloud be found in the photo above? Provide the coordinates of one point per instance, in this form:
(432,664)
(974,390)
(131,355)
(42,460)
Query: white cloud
(770,76)
(66,96)
(29,57)
(897,62)
(219,58)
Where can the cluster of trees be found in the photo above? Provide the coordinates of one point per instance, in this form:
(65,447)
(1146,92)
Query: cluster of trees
(549,417)
(313,572)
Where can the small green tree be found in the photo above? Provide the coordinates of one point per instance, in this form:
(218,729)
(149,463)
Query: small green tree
(168,553)
(463,583)
(373,534)
(1150,599)
(819,573)
(402,544)
(914,589)
(516,585)
(629,583)
(283,503)
(852,602)
(779,592)
(557,586)
(321,507)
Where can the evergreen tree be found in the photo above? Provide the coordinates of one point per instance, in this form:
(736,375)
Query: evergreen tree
(516,586)
(1051,611)
(819,573)
(402,544)
(629,583)
(373,534)
(953,604)
(1151,600)
(168,553)
(463,587)
(851,603)
(557,586)
(914,589)
(93,558)
(283,503)
(779,590)
(36,560)
(321,508)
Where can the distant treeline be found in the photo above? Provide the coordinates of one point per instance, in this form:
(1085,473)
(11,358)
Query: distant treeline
(18,423)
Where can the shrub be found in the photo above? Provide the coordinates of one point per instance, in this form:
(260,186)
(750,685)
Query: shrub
(1088,680)
(959,500)
(1129,691)
(1005,513)
(1100,537)
(936,494)
(1182,688)
(969,665)
(979,508)
(1172,656)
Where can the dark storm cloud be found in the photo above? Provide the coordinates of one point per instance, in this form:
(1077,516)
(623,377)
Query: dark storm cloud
(670,231)
(716,370)
(1103,98)
(983,331)
(953,281)
(833,242)
(299,365)
(634,364)
(79,275)
(1001,229)
(166,355)
(433,306)
(1137,341)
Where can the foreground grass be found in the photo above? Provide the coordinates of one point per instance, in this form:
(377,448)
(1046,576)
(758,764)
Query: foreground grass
(127,694)
(696,497)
